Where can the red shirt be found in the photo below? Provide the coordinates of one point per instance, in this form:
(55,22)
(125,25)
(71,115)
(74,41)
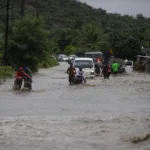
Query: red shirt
(21,74)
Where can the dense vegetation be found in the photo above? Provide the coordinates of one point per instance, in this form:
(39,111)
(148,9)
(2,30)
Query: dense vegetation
(38,30)
(5,71)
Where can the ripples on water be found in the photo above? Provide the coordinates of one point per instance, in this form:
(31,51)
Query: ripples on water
(72,132)
(112,115)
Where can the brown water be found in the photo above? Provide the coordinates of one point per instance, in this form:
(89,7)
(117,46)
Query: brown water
(112,115)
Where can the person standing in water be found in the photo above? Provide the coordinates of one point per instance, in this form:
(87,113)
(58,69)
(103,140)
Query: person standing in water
(115,67)
(106,71)
(71,72)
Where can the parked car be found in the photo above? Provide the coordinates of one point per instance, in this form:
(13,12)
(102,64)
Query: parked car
(65,58)
(87,65)
(62,57)
(59,57)
(72,57)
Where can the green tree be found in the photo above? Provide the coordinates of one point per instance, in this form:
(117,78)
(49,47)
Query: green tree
(29,43)
(70,50)
(124,44)
(146,35)
(90,37)
(68,22)
(65,39)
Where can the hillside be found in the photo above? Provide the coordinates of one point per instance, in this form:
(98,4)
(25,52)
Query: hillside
(76,27)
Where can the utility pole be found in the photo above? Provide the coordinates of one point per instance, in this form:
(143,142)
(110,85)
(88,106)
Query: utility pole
(37,10)
(6,32)
(11,11)
(22,7)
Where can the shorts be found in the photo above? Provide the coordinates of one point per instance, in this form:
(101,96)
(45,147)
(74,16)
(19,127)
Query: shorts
(70,78)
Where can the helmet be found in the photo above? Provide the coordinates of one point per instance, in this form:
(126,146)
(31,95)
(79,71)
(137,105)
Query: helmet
(20,69)
(25,68)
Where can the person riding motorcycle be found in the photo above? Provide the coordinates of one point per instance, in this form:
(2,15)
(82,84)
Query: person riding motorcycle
(20,75)
(80,73)
(71,72)
(28,71)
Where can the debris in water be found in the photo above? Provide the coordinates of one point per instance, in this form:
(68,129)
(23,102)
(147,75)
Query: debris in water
(136,140)
(93,85)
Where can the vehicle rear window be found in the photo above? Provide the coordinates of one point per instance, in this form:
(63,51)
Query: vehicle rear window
(83,64)
(129,63)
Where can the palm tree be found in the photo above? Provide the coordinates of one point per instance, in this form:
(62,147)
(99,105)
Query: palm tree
(90,37)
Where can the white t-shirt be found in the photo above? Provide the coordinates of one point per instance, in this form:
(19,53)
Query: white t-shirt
(80,73)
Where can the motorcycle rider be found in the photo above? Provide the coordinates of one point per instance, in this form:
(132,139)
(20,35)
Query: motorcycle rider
(71,72)
(81,74)
(20,74)
(28,71)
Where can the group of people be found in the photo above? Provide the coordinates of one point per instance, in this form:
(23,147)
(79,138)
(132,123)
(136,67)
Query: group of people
(23,72)
(106,70)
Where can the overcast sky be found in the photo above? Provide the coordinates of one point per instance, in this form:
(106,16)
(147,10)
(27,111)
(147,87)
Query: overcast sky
(130,7)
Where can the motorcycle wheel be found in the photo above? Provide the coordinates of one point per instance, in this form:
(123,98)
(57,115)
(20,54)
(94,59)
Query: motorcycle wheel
(30,86)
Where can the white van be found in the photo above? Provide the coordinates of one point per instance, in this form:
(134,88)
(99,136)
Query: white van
(87,65)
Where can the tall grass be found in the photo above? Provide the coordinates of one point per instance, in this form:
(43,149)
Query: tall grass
(50,62)
(5,72)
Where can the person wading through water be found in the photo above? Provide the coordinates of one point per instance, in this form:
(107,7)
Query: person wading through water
(115,67)
(71,72)
(106,70)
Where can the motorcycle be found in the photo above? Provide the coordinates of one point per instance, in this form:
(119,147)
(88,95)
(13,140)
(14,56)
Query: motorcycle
(76,80)
(28,83)
(18,83)
(98,69)
(121,69)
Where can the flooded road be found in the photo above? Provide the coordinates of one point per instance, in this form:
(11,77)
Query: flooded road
(112,115)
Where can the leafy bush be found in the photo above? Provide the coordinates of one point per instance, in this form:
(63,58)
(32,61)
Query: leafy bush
(29,44)
(48,62)
(5,71)
(70,50)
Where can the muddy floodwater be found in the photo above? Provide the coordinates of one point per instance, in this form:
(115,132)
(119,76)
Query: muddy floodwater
(105,115)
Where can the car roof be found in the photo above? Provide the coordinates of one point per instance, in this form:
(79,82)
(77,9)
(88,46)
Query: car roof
(72,55)
(84,58)
(61,55)
(93,53)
